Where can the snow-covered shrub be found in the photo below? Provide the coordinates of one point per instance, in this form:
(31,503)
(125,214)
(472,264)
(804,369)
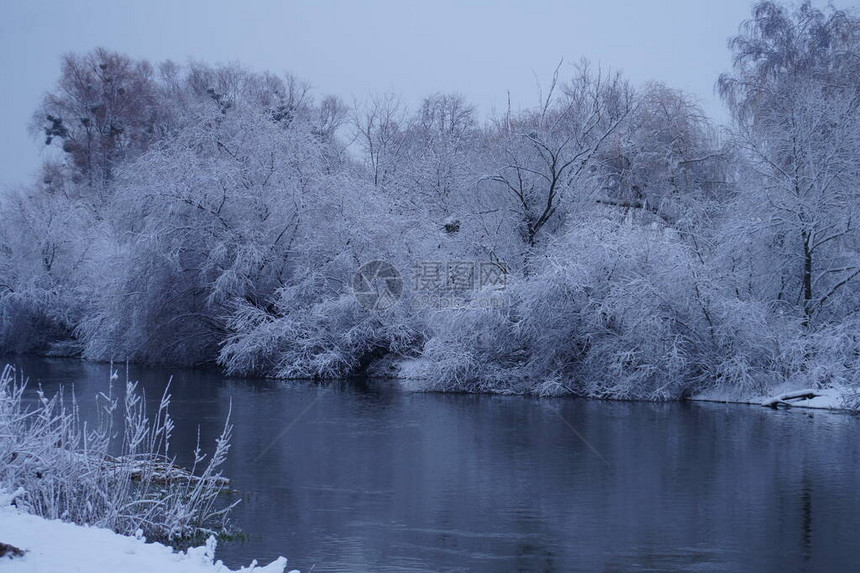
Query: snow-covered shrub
(743,357)
(617,310)
(118,474)
(223,207)
(148,309)
(827,357)
(313,332)
(474,350)
(43,240)
(32,318)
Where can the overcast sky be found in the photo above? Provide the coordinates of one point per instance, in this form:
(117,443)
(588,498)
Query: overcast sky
(480,49)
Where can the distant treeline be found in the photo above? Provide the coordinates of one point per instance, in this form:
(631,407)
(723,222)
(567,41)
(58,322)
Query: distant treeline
(197,214)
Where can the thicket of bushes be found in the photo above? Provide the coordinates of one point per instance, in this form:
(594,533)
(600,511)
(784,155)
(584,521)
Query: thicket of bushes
(204,214)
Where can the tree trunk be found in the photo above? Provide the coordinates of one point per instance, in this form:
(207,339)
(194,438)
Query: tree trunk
(807,279)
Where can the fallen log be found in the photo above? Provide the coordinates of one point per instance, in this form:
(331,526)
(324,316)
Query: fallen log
(785,399)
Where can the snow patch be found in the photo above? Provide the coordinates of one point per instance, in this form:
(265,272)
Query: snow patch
(825,399)
(56,547)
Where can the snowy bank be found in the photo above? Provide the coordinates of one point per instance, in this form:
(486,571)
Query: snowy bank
(53,546)
(842,399)
(413,374)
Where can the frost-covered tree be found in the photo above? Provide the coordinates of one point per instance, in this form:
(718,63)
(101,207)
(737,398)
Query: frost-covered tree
(795,96)
(546,156)
(666,158)
(44,247)
(440,139)
(103,110)
(378,126)
(211,215)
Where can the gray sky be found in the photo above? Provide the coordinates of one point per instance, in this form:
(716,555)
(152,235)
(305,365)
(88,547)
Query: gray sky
(354,48)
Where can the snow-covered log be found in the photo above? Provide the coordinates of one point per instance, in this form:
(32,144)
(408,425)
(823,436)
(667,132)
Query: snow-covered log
(786,398)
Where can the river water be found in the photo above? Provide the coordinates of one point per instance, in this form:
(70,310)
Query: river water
(361,476)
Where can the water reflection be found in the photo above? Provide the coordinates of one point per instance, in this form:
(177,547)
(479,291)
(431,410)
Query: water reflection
(361,477)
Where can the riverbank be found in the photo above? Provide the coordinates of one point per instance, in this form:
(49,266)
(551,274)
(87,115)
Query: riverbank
(834,399)
(413,374)
(52,546)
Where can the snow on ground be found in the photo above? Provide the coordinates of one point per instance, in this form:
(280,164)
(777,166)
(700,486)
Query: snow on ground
(411,371)
(59,547)
(826,399)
